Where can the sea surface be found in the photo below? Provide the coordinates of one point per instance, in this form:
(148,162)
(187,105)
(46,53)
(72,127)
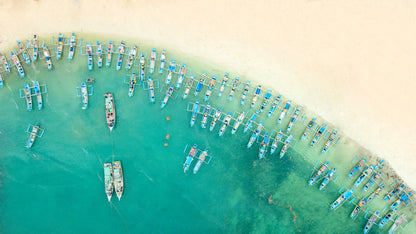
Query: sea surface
(57,185)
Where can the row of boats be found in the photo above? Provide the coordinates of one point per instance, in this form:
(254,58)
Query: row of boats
(113,179)
(193,153)
(27,94)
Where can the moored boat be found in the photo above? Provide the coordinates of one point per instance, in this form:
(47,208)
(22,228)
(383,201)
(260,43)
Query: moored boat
(327,178)
(6,63)
(399,220)
(132,57)
(151,89)
(237,123)
(162,61)
(293,119)
(255,134)
(167,96)
(396,190)
(286,145)
(363,175)
(403,198)
(188,86)
(201,159)
(375,193)
(28,95)
(309,127)
(142,67)
(60,46)
(152,60)
(121,50)
(341,199)
(263,145)
(357,167)
(32,136)
(88,48)
(182,72)
(318,135)
(38,94)
(132,83)
(330,141)
(16,62)
(200,83)
(47,56)
(386,218)
(217,116)
(256,95)
(284,111)
(35,47)
(371,221)
(110,111)
(195,110)
(226,122)
(190,157)
(358,207)
(276,102)
(250,121)
(317,174)
(372,180)
(211,85)
(71,47)
(99,54)
(233,88)
(266,99)
(108,180)
(118,179)
(110,48)
(276,141)
(223,84)
(245,92)
(1,81)
(23,51)
(205,115)
(171,70)
(84,95)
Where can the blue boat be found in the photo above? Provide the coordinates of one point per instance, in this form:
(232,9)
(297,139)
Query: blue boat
(47,57)
(171,70)
(211,85)
(89,55)
(28,95)
(162,61)
(84,95)
(188,86)
(397,222)
(110,48)
(233,88)
(357,167)
(276,102)
(286,145)
(152,61)
(60,46)
(276,141)
(200,83)
(16,62)
(327,178)
(32,136)
(330,141)
(181,76)
(293,119)
(255,134)
(285,110)
(372,180)
(318,135)
(142,67)
(99,54)
(121,50)
(1,81)
(396,190)
(195,110)
(151,89)
(317,174)
(23,52)
(308,128)
(371,221)
(386,218)
(35,47)
(167,96)
(132,57)
(6,63)
(38,94)
(255,96)
(225,124)
(190,157)
(245,92)
(263,145)
(266,100)
(367,171)
(358,207)
(403,198)
(205,115)
(237,123)
(250,121)
(341,199)
(223,84)
(72,42)
(216,117)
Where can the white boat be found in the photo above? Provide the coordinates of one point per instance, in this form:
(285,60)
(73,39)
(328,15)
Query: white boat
(84,95)
(88,48)
(188,86)
(285,110)
(35,47)
(216,117)
(99,54)
(238,122)
(110,48)
(182,72)
(223,84)
(118,179)
(245,92)
(108,180)
(167,96)
(60,46)
(71,47)
(256,95)
(152,60)
(151,89)
(47,57)
(276,141)
(205,115)
(171,70)
(226,122)
(233,88)
(201,159)
(132,57)
(162,61)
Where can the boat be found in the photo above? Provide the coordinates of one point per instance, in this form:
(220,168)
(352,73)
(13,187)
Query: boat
(84,95)
(327,178)
(121,50)
(38,94)
(276,141)
(386,218)
(23,51)
(110,48)
(28,95)
(245,92)
(60,46)
(48,58)
(142,67)
(286,145)
(162,61)
(201,159)
(32,136)
(358,207)
(276,102)
(205,115)
(237,123)
(118,179)
(211,85)
(293,119)
(152,60)
(233,88)
(190,157)
(195,110)
(89,55)
(403,198)
(99,54)
(217,116)
(367,171)
(266,100)
(396,190)
(223,84)
(284,111)
(167,96)
(132,57)
(151,89)
(318,135)
(371,221)
(16,62)
(341,199)
(372,180)
(132,83)
(255,134)
(200,83)
(110,111)
(35,47)
(226,122)
(330,141)
(188,86)
(6,63)
(256,95)
(399,220)
(1,81)
(317,174)
(171,70)
(375,193)
(108,180)
(71,47)
(182,72)
(250,121)
(263,145)
(357,167)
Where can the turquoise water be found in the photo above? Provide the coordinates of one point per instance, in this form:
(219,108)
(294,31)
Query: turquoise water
(57,186)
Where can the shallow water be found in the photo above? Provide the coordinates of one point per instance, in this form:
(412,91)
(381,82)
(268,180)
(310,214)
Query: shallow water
(57,186)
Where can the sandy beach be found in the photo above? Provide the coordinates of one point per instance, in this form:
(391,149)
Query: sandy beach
(351,62)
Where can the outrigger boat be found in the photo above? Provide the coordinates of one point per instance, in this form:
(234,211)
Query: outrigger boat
(142,67)
(110,112)
(162,61)
(84,95)
(60,46)
(188,87)
(397,191)
(318,135)
(171,70)
(276,102)
(205,115)
(32,136)
(35,47)
(167,96)
(16,62)
(200,83)
(358,207)
(250,121)
(190,157)
(89,55)
(28,95)
(48,58)
(151,89)
(363,175)
(195,110)
(71,47)
(284,111)
(256,96)
(399,220)
(233,88)
(385,219)
(118,179)
(226,122)
(403,198)
(132,57)
(293,119)
(132,83)
(286,145)
(327,178)
(330,141)
(1,81)
(321,170)
(201,159)
(266,100)
(371,221)
(341,199)
(276,141)
(238,122)
(256,134)
(223,84)
(38,94)
(110,47)
(245,92)
(108,180)
(152,60)
(357,167)
(372,180)
(24,52)
(217,115)
(99,54)
(121,50)
(6,63)
(182,71)
(263,145)
(211,85)
(375,193)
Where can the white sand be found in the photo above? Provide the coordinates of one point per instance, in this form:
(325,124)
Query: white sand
(353,62)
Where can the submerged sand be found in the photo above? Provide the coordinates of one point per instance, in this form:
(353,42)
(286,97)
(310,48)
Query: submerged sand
(352,62)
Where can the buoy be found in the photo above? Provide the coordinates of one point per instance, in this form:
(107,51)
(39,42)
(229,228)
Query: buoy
(167,118)
(168,136)
(165,145)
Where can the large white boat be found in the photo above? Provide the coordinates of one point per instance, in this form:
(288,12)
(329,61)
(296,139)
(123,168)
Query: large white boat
(118,179)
